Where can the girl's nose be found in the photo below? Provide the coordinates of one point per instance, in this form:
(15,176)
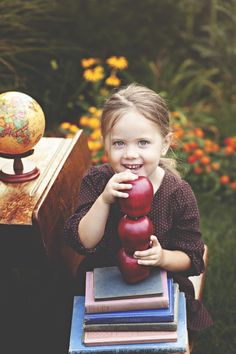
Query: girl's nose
(131,153)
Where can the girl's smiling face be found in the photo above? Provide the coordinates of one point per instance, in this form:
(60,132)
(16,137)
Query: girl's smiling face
(135,143)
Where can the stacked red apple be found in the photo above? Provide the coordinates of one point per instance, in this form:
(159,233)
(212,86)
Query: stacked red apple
(135,229)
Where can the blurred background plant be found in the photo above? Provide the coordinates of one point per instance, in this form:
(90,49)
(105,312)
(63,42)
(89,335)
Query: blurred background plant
(184,49)
(57,51)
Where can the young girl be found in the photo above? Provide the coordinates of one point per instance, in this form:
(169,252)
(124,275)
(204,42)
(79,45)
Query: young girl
(137,136)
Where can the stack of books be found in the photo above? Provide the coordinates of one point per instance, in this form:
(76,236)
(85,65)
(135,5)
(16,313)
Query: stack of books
(116,313)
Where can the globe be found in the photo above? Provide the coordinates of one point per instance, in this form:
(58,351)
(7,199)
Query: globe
(22,123)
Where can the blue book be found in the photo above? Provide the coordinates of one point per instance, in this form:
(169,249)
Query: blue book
(150,315)
(76,345)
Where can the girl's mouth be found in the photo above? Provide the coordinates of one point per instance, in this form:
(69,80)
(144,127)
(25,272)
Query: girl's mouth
(133,167)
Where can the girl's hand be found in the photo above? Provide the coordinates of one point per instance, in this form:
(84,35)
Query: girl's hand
(152,256)
(115,186)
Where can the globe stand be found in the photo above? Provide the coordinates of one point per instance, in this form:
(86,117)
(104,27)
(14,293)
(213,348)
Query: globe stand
(18,171)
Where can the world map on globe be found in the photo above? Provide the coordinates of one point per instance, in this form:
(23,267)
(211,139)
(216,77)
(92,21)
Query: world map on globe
(22,122)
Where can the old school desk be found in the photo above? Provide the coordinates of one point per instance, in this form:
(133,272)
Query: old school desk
(34,289)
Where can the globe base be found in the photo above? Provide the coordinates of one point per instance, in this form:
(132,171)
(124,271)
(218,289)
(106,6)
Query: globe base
(19,172)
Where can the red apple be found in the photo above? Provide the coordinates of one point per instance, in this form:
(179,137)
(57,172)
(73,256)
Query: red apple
(140,198)
(131,271)
(135,233)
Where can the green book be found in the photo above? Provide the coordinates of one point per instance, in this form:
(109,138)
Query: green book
(109,284)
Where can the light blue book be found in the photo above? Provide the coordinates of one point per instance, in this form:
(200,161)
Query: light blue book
(76,336)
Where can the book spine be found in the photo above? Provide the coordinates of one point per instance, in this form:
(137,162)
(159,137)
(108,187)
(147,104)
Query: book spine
(126,306)
(168,326)
(109,320)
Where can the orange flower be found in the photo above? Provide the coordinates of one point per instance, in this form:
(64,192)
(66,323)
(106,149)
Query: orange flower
(190,133)
(228,141)
(192,159)
(199,132)
(199,153)
(208,142)
(208,169)
(193,144)
(228,150)
(233,185)
(205,160)
(176,126)
(178,134)
(104,158)
(197,170)
(186,147)
(215,166)
(224,179)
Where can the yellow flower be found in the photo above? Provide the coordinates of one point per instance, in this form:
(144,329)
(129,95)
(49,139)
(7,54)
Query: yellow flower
(94,74)
(96,134)
(84,120)
(92,110)
(94,123)
(113,80)
(69,136)
(74,128)
(95,145)
(104,92)
(98,113)
(54,64)
(86,63)
(65,125)
(117,62)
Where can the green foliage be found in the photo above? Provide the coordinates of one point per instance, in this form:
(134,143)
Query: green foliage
(218,230)
(190,45)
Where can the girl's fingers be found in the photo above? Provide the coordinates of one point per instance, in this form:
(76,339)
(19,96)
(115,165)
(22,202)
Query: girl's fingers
(122,186)
(125,176)
(147,262)
(144,254)
(120,194)
(154,241)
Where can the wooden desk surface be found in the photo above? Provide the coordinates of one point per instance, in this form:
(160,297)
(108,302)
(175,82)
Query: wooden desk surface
(32,213)
(18,200)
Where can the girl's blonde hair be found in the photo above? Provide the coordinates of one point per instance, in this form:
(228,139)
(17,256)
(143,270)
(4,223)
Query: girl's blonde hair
(148,103)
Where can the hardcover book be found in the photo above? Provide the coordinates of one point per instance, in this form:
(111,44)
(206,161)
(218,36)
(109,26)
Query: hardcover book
(109,284)
(126,304)
(149,315)
(76,345)
(101,338)
(158,326)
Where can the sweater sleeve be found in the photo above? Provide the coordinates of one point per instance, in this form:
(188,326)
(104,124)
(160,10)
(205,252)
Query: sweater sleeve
(92,186)
(186,235)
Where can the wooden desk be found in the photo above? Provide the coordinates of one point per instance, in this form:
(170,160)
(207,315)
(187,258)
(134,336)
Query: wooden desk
(32,214)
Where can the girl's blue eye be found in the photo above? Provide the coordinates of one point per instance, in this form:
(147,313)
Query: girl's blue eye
(118,143)
(143,142)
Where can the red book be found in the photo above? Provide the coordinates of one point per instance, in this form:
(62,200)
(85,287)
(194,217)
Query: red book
(126,304)
(104,338)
